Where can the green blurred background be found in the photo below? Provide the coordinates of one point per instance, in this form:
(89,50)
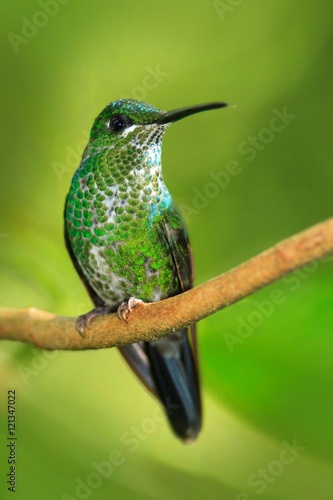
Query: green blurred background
(267,367)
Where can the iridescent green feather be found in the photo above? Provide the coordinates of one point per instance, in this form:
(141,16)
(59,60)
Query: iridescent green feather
(127,240)
(114,209)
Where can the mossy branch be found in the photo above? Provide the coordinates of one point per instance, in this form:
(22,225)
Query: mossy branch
(155,320)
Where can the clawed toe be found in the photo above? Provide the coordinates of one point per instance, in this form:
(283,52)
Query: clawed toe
(81,324)
(127,307)
(83,321)
(123,311)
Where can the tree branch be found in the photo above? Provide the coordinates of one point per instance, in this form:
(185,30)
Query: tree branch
(155,320)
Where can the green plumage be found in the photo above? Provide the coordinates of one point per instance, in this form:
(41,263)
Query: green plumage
(114,210)
(127,241)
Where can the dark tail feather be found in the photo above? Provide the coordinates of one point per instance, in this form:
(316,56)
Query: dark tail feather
(176,379)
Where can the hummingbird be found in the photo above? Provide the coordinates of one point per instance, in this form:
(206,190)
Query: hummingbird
(129,244)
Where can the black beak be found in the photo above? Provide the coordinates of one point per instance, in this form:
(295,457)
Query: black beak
(178,114)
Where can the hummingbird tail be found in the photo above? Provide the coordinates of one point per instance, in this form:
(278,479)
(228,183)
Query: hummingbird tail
(175,374)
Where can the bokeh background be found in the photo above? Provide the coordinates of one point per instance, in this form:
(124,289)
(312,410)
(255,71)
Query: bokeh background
(267,362)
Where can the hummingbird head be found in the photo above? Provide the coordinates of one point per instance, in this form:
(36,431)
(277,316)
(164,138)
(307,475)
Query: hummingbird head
(121,118)
(129,134)
(113,123)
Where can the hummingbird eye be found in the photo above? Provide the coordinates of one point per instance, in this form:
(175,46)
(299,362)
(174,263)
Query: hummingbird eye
(117,123)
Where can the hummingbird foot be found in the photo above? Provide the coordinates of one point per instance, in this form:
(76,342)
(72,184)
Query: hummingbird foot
(127,307)
(83,321)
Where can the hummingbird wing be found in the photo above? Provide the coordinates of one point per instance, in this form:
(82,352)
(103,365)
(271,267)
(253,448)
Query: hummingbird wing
(174,359)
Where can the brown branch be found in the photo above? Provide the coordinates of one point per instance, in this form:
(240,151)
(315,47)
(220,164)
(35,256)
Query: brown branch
(155,320)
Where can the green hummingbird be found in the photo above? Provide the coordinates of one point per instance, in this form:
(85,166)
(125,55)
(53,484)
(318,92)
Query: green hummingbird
(128,243)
